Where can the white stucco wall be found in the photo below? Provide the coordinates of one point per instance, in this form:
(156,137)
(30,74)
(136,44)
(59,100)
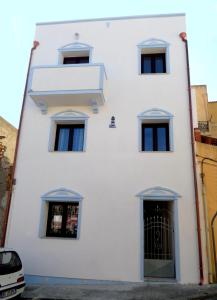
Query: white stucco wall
(111,171)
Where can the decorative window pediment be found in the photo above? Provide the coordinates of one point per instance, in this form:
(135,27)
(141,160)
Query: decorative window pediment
(61,194)
(158,193)
(153,43)
(76,46)
(70,115)
(155,113)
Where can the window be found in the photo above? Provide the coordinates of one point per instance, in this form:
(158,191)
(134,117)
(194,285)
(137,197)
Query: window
(68,132)
(60,214)
(76,60)
(153,63)
(155,137)
(155,130)
(62,219)
(75,53)
(153,56)
(69,137)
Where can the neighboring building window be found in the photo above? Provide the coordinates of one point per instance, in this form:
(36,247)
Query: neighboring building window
(155,137)
(69,137)
(75,53)
(153,63)
(60,214)
(68,131)
(203,126)
(62,219)
(153,56)
(155,130)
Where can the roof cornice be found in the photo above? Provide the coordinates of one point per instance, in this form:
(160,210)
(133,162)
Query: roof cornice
(113,18)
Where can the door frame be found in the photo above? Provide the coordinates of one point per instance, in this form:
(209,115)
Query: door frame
(160,194)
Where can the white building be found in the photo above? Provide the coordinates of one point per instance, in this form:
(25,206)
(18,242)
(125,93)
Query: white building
(98,197)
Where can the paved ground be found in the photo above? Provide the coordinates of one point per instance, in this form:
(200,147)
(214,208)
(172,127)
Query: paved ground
(143,291)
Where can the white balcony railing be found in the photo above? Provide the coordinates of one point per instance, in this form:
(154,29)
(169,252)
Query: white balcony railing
(67,85)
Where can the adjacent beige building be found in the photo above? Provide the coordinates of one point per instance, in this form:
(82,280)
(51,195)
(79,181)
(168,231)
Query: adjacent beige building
(206,152)
(206,111)
(212,115)
(8,134)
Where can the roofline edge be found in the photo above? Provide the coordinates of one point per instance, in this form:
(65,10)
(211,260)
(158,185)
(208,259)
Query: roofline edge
(113,18)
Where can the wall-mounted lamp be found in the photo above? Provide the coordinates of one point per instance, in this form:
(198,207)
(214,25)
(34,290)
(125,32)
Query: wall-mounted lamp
(76,36)
(112,124)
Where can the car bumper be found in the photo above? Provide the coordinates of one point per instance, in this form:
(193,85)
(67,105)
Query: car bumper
(12,291)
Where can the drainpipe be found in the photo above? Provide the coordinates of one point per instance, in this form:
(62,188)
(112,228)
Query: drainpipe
(5,223)
(183,36)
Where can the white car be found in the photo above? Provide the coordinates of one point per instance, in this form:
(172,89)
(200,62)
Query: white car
(12,281)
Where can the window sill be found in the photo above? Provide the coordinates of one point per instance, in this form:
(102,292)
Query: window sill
(58,238)
(147,74)
(170,151)
(73,65)
(53,151)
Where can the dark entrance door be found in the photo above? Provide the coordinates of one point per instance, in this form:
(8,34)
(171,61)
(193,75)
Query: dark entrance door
(158,239)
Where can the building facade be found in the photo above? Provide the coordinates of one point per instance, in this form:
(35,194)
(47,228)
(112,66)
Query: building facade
(206,112)
(212,109)
(8,135)
(206,153)
(104,181)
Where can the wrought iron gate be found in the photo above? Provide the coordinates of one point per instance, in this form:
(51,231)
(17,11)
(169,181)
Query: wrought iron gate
(158,240)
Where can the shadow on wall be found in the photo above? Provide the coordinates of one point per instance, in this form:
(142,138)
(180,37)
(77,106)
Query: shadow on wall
(5,173)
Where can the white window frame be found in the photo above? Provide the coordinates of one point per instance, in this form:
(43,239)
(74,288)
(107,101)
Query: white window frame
(151,46)
(75,49)
(59,195)
(67,117)
(155,115)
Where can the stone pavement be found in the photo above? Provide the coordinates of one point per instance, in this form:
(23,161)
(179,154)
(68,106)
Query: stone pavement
(125,291)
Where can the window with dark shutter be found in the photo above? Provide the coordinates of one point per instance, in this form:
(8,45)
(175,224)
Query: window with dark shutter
(153,63)
(155,137)
(62,219)
(76,60)
(69,137)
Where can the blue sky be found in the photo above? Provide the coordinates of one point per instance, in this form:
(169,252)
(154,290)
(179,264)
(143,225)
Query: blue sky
(17,27)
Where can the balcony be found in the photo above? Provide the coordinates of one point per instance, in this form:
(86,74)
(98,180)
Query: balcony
(67,85)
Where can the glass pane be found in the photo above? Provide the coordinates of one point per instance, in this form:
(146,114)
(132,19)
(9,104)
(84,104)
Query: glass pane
(56,219)
(146,68)
(70,60)
(72,220)
(159,64)
(63,139)
(76,60)
(9,263)
(78,139)
(148,139)
(161,139)
(83,60)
